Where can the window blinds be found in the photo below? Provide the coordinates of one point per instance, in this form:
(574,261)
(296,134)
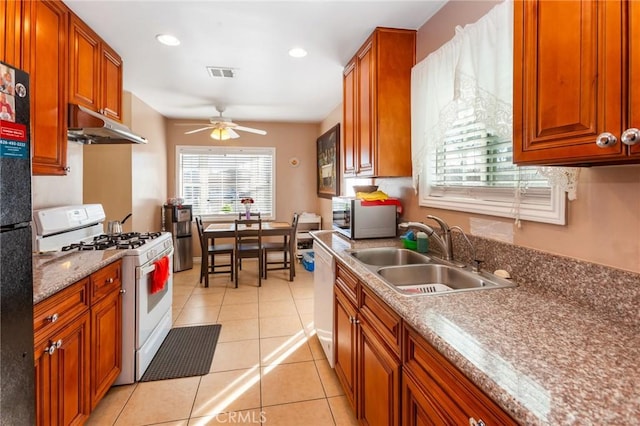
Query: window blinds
(473,155)
(214,180)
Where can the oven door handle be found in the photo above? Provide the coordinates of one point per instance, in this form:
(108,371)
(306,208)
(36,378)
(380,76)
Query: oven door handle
(147,270)
(144,270)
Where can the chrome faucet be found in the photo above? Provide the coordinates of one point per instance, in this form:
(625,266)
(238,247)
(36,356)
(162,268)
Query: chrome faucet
(443,241)
(475,267)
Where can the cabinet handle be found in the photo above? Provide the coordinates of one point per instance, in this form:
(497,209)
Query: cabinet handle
(354,320)
(630,136)
(109,280)
(53,318)
(51,349)
(474,422)
(123,291)
(606,139)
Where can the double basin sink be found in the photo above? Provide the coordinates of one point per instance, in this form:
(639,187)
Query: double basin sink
(411,273)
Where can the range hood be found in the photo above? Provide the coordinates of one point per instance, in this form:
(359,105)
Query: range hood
(89,127)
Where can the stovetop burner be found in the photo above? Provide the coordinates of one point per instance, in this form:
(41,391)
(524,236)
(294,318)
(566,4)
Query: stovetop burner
(129,240)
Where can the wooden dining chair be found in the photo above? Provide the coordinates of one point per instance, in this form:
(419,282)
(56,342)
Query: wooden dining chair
(212,251)
(248,244)
(287,248)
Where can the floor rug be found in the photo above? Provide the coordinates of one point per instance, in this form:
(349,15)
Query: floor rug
(187,351)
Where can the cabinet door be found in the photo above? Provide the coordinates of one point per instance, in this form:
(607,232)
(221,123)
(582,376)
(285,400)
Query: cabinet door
(417,409)
(345,344)
(11,19)
(45,59)
(634,76)
(568,63)
(350,136)
(111,83)
(106,344)
(366,123)
(62,375)
(378,380)
(84,64)
(73,373)
(45,384)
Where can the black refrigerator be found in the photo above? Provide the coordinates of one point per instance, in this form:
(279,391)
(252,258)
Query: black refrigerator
(17,373)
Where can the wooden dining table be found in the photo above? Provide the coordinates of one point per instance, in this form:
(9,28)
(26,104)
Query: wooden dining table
(227,230)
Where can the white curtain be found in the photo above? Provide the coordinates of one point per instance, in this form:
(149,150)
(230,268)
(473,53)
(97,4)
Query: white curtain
(472,70)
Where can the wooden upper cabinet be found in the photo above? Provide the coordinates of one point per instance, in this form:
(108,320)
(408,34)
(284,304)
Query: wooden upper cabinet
(377,105)
(634,76)
(44,56)
(111,85)
(571,65)
(84,60)
(349,120)
(95,71)
(11,19)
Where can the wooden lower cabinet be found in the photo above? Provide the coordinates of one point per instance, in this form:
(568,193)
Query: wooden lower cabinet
(62,375)
(378,380)
(366,365)
(391,375)
(345,344)
(78,347)
(436,392)
(106,344)
(417,408)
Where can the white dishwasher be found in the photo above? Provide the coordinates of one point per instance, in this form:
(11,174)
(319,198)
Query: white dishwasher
(323,279)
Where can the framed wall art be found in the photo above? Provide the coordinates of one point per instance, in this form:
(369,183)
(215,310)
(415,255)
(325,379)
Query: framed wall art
(328,163)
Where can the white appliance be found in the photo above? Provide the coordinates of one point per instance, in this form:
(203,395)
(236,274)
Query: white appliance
(146,318)
(323,278)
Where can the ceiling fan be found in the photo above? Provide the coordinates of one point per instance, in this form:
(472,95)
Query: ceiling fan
(222,128)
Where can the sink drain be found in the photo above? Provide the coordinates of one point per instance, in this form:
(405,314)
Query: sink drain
(425,288)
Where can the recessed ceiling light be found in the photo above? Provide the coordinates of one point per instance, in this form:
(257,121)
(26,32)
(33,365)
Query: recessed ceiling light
(168,39)
(297,52)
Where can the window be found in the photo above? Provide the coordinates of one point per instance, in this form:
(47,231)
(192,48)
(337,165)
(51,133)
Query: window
(214,180)
(462,128)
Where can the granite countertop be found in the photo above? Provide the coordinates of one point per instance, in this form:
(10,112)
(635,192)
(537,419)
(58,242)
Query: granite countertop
(53,272)
(544,358)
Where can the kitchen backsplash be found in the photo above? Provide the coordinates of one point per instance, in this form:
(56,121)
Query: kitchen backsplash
(613,292)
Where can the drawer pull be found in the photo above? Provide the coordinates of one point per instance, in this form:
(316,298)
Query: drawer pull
(53,318)
(474,422)
(51,349)
(123,291)
(109,280)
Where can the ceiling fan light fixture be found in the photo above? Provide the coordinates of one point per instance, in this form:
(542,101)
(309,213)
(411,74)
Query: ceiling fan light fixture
(297,52)
(168,39)
(220,134)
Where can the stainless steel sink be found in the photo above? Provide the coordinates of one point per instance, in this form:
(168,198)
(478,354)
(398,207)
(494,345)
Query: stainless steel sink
(410,273)
(389,256)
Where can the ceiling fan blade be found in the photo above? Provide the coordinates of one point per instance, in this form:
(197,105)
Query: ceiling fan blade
(202,123)
(232,134)
(198,130)
(251,130)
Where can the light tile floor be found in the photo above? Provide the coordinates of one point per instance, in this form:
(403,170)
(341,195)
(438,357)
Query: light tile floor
(268,366)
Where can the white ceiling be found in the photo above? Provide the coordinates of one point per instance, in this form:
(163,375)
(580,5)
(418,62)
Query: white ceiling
(252,37)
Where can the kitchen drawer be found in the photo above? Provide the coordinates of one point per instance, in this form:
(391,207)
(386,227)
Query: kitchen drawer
(57,310)
(105,280)
(384,320)
(347,282)
(448,388)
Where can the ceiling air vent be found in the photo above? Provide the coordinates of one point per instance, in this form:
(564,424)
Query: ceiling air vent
(221,72)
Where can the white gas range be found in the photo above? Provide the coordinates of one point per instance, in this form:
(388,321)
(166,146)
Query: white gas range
(146,317)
